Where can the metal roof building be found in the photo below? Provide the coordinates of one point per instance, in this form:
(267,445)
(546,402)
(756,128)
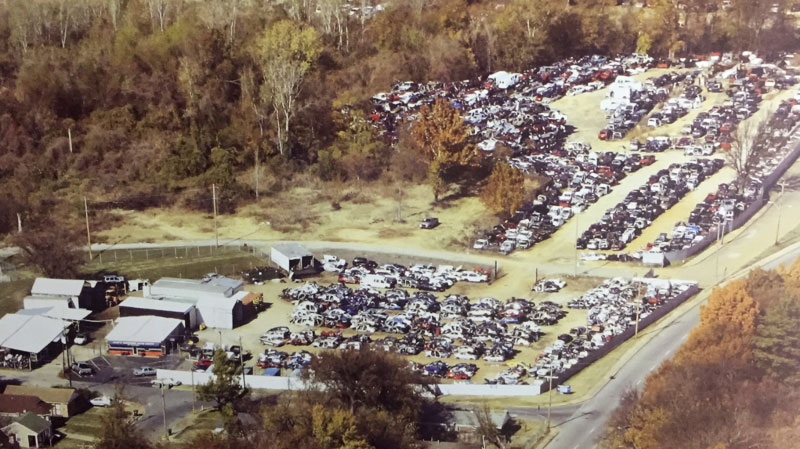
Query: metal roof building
(35,335)
(218,300)
(294,258)
(184,310)
(143,335)
(57,287)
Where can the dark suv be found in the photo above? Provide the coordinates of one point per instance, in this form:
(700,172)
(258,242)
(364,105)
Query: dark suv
(429,223)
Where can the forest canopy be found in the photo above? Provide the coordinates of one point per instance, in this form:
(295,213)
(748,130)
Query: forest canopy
(147,102)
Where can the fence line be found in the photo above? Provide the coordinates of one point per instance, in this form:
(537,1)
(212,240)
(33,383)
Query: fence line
(289,383)
(752,209)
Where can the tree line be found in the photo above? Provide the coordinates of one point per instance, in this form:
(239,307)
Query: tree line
(357,400)
(158,99)
(734,383)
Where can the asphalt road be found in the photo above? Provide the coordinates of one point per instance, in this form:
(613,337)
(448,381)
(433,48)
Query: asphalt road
(581,425)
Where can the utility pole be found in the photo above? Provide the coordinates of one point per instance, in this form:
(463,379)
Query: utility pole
(19,223)
(164,409)
(576,245)
(241,361)
(214,199)
(88,234)
(192,374)
(549,395)
(780,209)
(69,137)
(638,308)
(257,173)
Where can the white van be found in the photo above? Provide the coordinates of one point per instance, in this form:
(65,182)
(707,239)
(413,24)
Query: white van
(377,281)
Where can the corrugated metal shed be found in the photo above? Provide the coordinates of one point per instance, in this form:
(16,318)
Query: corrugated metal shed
(156,304)
(57,287)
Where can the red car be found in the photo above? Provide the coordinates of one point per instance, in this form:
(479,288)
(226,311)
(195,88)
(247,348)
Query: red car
(202,364)
(348,279)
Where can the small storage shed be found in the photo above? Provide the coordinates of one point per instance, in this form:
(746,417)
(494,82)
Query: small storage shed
(294,258)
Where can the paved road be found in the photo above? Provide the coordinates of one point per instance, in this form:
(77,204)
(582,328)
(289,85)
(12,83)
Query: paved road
(581,425)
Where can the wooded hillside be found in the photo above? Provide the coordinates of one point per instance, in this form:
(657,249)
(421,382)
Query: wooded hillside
(734,383)
(148,102)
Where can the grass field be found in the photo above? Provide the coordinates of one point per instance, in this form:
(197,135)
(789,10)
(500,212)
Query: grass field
(197,422)
(12,294)
(173,262)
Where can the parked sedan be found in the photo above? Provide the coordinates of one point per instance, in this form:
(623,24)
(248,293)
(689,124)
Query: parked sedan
(144,371)
(102,401)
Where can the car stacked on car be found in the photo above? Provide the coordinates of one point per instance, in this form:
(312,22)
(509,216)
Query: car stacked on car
(485,328)
(506,107)
(579,178)
(611,308)
(629,102)
(728,202)
(624,222)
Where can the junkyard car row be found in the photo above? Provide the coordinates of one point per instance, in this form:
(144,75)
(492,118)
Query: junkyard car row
(579,177)
(727,203)
(625,221)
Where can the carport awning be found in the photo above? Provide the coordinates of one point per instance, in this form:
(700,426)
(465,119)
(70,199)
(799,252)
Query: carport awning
(30,334)
(58,312)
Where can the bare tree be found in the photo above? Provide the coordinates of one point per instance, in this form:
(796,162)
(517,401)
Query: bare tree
(65,11)
(286,53)
(747,149)
(159,11)
(223,15)
(487,429)
(114,10)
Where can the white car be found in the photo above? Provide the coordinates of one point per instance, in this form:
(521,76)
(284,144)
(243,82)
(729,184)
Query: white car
(167,382)
(102,401)
(474,276)
(480,244)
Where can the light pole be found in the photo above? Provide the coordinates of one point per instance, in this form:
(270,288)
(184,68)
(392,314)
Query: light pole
(780,209)
(576,245)
(220,339)
(164,409)
(721,239)
(549,395)
(241,362)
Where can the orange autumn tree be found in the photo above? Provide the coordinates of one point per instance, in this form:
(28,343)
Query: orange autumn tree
(727,324)
(504,192)
(442,135)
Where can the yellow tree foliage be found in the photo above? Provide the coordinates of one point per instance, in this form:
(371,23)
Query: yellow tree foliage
(731,305)
(442,134)
(505,190)
(645,428)
(336,429)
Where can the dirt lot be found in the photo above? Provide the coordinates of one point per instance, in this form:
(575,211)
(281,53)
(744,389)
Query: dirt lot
(367,218)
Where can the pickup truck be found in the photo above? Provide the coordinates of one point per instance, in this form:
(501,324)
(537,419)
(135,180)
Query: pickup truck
(82,368)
